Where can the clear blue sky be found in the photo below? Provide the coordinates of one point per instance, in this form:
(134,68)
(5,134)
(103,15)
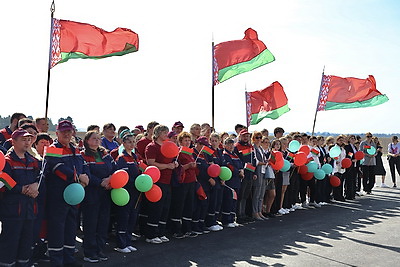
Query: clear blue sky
(169,78)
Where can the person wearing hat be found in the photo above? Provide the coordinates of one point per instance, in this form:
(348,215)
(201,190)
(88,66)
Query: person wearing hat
(177,127)
(173,136)
(18,204)
(140,127)
(63,167)
(243,149)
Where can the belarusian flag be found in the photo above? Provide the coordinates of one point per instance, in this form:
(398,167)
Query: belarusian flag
(7,180)
(245,152)
(142,166)
(80,40)
(187,150)
(340,93)
(270,102)
(250,167)
(52,151)
(235,57)
(315,151)
(207,150)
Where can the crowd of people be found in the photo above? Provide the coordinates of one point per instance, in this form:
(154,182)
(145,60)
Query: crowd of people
(38,223)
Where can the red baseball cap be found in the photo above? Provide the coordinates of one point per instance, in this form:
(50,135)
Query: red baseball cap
(243,132)
(64,125)
(203,140)
(20,132)
(178,124)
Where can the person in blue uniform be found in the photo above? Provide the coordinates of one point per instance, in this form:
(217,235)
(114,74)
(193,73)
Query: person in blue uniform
(232,186)
(97,203)
(18,205)
(63,167)
(127,215)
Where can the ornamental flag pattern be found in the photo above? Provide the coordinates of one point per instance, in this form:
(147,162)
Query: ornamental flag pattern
(323,93)
(248,108)
(55,43)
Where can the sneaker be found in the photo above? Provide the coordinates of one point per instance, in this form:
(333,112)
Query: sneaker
(178,235)
(220,227)
(191,234)
(282,211)
(164,239)
(271,215)
(198,232)
(394,186)
(93,259)
(102,256)
(305,205)
(123,250)
(315,204)
(132,248)
(384,185)
(155,240)
(214,228)
(358,193)
(231,225)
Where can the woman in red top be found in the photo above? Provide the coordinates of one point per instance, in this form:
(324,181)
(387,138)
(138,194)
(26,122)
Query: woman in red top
(157,212)
(183,193)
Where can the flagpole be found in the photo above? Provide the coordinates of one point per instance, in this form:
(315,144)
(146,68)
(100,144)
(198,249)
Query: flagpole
(247,111)
(213,82)
(319,96)
(52,9)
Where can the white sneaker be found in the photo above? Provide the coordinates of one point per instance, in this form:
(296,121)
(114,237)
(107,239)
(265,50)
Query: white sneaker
(155,240)
(132,248)
(231,225)
(358,193)
(214,228)
(236,224)
(292,209)
(315,204)
(323,203)
(164,239)
(287,211)
(384,185)
(305,205)
(282,211)
(362,193)
(220,227)
(123,250)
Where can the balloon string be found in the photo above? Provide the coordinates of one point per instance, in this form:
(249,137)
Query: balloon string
(139,198)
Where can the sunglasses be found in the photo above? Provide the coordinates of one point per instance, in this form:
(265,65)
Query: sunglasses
(258,137)
(369,136)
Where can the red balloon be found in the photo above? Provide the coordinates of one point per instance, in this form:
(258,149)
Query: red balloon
(119,179)
(303,169)
(2,161)
(308,176)
(153,172)
(359,155)
(300,158)
(346,163)
(277,165)
(334,180)
(214,170)
(278,155)
(169,149)
(305,149)
(154,194)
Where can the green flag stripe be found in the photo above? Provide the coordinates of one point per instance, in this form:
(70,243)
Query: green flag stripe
(376,100)
(66,56)
(273,114)
(261,59)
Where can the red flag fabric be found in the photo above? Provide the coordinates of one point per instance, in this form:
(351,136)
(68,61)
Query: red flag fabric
(270,102)
(341,93)
(80,40)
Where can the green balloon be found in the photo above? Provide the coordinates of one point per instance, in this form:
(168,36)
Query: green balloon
(143,183)
(120,196)
(334,151)
(74,194)
(312,166)
(286,166)
(319,174)
(294,146)
(225,174)
(327,168)
(371,150)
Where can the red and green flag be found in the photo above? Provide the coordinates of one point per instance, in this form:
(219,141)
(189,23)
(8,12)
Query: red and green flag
(187,150)
(315,151)
(270,102)
(207,150)
(250,167)
(80,40)
(52,151)
(245,152)
(235,57)
(142,166)
(7,180)
(343,93)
